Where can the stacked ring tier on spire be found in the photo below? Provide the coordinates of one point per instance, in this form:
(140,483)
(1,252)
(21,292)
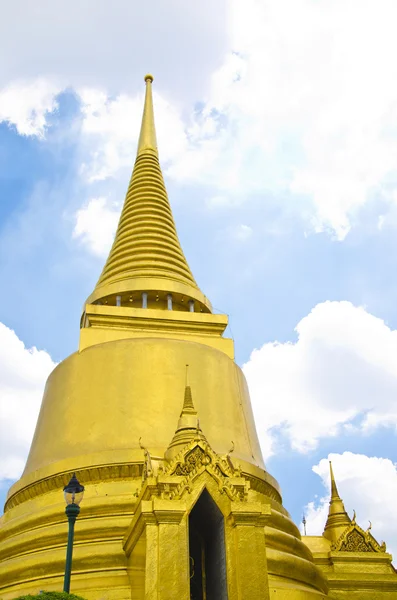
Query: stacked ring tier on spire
(146,243)
(146,255)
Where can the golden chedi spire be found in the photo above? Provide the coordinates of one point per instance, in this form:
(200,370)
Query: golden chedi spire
(338,519)
(146,256)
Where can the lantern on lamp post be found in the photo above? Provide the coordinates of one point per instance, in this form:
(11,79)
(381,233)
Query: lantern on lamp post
(73,493)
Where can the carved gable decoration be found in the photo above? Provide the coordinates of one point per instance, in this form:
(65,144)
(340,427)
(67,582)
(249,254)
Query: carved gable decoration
(196,458)
(355,542)
(355,539)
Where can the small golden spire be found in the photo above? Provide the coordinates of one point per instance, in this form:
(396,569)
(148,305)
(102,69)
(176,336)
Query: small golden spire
(188,406)
(334,489)
(188,426)
(147,138)
(338,519)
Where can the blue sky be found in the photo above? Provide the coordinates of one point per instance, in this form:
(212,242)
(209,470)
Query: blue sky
(277,131)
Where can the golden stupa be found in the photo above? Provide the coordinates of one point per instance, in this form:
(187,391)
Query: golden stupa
(178,502)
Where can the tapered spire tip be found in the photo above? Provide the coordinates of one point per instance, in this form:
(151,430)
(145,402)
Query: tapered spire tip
(147,139)
(338,518)
(334,489)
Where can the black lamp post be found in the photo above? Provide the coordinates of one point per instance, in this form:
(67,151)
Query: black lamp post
(73,493)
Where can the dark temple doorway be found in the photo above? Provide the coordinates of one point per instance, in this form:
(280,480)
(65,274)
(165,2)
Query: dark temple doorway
(207,551)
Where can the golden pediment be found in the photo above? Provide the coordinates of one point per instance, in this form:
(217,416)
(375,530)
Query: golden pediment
(355,539)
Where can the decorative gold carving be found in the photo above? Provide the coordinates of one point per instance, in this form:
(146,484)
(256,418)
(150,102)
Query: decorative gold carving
(263,487)
(198,456)
(88,475)
(193,461)
(355,539)
(177,477)
(355,542)
(147,465)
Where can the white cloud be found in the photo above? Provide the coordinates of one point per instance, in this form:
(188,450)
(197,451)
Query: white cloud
(111,128)
(243,232)
(237,233)
(26,105)
(96,225)
(39,49)
(23,373)
(367,485)
(310,109)
(100,44)
(343,366)
(306,104)
(299,101)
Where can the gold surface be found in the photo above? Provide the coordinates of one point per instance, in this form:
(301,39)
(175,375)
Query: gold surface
(110,413)
(121,391)
(147,138)
(110,323)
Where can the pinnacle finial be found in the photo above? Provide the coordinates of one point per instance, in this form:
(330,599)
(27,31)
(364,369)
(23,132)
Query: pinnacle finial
(188,406)
(188,426)
(338,518)
(147,139)
(334,489)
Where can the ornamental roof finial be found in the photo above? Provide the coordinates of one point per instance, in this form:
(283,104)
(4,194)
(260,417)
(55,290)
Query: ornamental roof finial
(147,137)
(338,519)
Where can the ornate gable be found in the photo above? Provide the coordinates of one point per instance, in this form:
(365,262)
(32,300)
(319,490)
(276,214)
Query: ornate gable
(194,459)
(355,539)
(197,454)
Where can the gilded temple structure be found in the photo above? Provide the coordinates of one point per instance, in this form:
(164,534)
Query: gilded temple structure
(154,416)
(353,562)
